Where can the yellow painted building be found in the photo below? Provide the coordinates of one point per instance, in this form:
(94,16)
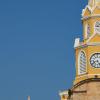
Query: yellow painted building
(87,52)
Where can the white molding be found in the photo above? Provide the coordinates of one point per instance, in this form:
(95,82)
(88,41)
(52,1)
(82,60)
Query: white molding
(88,44)
(94,44)
(91,37)
(63,93)
(83,11)
(87,17)
(77,42)
(81,46)
(91,9)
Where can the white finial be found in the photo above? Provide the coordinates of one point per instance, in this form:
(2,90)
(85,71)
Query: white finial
(28,98)
(77,42)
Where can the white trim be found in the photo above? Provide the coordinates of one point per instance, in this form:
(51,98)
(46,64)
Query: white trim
(94,44)
(87,17)
(94,7)
(88,44)
(91,9)
(83,11)
(91,37)
(63,93)
(83,45)
(77,42)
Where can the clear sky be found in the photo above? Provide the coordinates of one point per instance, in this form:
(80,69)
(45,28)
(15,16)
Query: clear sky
(36,47)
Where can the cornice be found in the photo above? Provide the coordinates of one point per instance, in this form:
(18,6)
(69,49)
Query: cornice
(85,81)
(91,16)
(94,44)
(81,46)
(88,44)
(91,9)
(63,93)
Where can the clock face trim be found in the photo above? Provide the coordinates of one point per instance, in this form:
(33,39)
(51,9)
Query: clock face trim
(95,60)
(82,63)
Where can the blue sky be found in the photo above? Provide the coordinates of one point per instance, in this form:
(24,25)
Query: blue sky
(36,47)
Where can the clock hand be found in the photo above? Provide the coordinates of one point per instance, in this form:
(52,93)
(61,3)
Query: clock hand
(93,63)
(97,61)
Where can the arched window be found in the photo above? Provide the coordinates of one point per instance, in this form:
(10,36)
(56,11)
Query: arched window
(82,63)
(87,31)
(97,27)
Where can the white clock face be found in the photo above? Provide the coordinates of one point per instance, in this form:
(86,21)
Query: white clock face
(82,63)
(97,27)
(95,60)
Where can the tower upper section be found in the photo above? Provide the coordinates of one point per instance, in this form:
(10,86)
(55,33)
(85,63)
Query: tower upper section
(91,19)
(87,52)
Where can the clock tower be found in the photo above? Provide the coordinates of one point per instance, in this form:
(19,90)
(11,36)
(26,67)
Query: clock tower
(86,85)
(88,51)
